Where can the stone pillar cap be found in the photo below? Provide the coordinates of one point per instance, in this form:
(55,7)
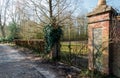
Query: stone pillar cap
(101,2)
(102,7)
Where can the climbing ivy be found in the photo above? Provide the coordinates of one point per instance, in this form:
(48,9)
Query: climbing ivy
(51,35)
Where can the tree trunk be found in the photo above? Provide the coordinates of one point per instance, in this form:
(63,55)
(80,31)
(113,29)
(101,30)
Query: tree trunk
(56,52)
(3,31)
(2,27)
(50,7)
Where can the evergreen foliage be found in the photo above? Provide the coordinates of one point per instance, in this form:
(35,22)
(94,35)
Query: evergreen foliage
(52,35)
(13,31)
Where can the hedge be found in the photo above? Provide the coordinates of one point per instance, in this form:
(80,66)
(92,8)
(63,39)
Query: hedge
(35,44)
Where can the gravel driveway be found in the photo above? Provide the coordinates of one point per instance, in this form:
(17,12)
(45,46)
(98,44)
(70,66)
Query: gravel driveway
(15,65)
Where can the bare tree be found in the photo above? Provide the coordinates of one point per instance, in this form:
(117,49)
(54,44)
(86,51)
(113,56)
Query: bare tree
(45,9)
(4,4)
(14,11)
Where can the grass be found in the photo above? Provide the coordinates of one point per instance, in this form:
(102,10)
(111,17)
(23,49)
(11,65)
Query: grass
(75,47)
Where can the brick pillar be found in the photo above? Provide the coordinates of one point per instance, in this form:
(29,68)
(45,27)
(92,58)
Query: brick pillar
(116,49)
(99,27)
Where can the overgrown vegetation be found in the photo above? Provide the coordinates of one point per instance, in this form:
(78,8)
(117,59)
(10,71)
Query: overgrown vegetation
(74,53)
(12,33)
(52,35)
(85,73)
(14,30)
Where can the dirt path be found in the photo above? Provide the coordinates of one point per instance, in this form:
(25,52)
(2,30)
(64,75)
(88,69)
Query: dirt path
(15,65)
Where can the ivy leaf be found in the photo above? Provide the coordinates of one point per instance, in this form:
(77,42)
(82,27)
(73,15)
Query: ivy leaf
(51,36)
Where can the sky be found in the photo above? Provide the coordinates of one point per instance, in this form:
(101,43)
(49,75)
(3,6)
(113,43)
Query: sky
(91,4)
